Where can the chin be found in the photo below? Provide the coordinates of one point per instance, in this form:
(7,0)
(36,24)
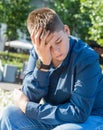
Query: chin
(60,59)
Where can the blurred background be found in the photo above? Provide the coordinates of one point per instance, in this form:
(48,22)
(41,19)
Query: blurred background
(84,17)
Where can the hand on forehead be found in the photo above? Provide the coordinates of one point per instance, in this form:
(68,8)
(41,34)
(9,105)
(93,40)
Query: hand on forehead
(53,37)
(42,34)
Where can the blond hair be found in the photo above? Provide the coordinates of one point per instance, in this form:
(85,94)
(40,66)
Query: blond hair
(45,18)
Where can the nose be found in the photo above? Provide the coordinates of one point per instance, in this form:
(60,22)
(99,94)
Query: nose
(56,48)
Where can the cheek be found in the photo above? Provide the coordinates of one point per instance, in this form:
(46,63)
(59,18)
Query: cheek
(65,48)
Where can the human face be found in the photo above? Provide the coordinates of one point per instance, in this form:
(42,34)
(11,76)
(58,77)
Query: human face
(60,48)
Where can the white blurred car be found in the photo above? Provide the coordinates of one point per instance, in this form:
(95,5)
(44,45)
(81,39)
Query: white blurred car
(18,45)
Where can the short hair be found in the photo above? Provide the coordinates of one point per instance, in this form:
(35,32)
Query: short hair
(46,18)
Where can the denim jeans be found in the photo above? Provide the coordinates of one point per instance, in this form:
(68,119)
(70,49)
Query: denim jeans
(14,119)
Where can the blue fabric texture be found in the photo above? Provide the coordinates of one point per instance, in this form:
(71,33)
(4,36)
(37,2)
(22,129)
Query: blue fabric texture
(15,119)
(72,92)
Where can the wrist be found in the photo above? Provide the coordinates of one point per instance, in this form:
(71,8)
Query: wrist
(23,106)
(42,66)
(45,61)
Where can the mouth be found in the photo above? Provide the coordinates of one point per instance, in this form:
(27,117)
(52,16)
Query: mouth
(59,56)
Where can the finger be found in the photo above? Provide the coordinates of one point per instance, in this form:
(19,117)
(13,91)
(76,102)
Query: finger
(43,34)
(50,36)
(53,39)
(37,36)
(19,88)
(43,41)
(17,92)
(33,35)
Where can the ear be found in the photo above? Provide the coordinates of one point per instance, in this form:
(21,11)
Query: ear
(66,29)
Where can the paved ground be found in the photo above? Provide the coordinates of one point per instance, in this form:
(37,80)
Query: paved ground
(9,86)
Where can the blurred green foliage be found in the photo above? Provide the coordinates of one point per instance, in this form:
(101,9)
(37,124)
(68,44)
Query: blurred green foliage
(14,14)
(84,17)
(70,13)
(94,8)
(13,59)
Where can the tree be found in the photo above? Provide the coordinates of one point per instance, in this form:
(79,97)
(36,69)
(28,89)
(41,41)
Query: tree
(95,11)
(14,14)
(70,13)
(84,17)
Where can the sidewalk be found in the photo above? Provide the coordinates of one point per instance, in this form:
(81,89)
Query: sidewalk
(9,86)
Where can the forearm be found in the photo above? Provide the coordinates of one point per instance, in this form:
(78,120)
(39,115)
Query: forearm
(35,86)
(20,99)
(55,115)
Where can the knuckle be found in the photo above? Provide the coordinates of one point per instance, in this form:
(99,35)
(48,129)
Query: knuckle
(36,36)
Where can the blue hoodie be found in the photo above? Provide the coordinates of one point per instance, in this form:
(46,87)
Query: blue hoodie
(72,92)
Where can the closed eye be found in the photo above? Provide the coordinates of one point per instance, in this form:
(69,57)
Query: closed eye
(59,40)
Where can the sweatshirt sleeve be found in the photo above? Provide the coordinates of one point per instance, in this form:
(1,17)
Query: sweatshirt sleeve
(35,84)
(81,102)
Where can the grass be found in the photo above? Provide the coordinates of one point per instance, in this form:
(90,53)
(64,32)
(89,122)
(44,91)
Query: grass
(13,59)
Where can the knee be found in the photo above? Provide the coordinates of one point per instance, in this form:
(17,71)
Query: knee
(9,112)
(69,126)
(7,117)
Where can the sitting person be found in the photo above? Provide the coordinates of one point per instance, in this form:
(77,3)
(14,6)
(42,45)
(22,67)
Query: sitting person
(64,72)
